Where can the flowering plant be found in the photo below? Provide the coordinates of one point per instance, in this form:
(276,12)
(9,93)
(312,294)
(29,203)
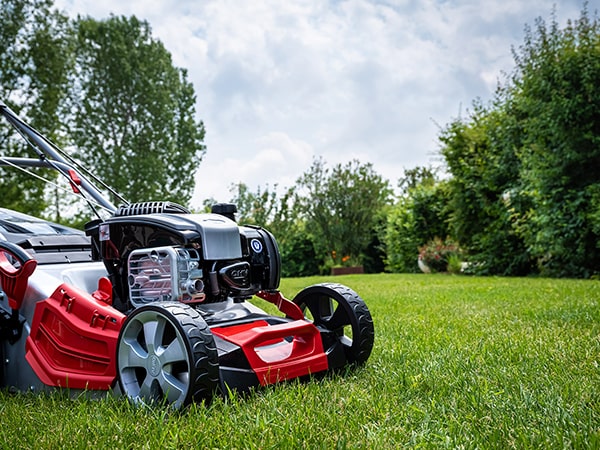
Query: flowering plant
(344,261)
(437,252)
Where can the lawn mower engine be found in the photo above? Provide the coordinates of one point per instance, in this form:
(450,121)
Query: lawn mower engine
(160,252)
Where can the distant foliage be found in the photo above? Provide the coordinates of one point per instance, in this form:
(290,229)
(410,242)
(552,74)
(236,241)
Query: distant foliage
(298,255)
(526,169)
(255,208)
(108,91)
(420,215)
(437,254)
(399,237)
(329,217)
(34,61)
(556,94)
(480,154)
(341,206)
(132,113)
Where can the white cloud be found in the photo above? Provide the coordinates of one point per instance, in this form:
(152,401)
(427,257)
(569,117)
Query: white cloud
(277,161)
(280,82)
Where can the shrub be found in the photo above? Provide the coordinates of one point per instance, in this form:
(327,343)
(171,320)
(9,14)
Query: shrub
(437,254)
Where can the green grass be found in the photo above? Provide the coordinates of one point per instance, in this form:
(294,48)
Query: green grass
(459,362)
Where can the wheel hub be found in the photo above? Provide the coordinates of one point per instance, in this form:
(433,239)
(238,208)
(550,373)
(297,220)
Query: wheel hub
(154,365)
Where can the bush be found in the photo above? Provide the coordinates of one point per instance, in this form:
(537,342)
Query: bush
(419,216)
(437,254)
(298,257)
(400,240)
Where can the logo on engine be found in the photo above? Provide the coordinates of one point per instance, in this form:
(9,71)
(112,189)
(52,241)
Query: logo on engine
(256,245)
(239,274)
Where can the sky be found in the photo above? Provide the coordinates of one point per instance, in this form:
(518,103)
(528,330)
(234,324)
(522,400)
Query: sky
(279,83)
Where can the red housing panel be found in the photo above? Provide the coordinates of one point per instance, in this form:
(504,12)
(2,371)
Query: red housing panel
(73,340)
(278,352)
(14,281)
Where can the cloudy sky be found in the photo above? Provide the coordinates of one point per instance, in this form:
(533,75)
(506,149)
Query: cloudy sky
(280,82)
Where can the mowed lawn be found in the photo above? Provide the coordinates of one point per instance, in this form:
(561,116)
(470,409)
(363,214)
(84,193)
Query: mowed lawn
(458,362)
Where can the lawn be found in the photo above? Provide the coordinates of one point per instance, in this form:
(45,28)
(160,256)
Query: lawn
(458,362)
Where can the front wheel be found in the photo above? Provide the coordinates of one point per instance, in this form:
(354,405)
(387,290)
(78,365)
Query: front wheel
(341,313)
(167,353)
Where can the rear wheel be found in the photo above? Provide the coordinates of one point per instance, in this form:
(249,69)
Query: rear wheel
(341,312)
(166,353)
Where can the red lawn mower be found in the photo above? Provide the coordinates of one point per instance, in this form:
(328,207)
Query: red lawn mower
(151,301)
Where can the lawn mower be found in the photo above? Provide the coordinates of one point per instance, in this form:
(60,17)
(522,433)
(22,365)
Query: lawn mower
(154,302)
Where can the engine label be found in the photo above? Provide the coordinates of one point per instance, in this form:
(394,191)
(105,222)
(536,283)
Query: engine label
(256,245)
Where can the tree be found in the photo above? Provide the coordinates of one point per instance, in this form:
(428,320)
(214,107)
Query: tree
(400,240)
(555,91)
(254,208)
(485,203)
(297,247)
(526,169)
(417,176)
(34,63)
(341,206)
(132,112)
(420,214)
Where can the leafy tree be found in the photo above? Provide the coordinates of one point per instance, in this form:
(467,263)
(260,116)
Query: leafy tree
(297,242)
(341,206)
(132,112)
(298,255)
(374,255)
(34,61)
(417,176)
(399,237)
(419,215)
(255,208)
(526,169)
(555,91)
(485,200)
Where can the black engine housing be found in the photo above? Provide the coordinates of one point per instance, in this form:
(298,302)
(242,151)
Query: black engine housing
(221,258)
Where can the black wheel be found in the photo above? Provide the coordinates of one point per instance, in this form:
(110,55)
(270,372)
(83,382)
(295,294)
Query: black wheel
(166,353)
(339,310)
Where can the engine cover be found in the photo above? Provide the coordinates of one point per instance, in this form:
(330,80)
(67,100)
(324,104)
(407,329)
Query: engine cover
(157,256)
(165,274)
